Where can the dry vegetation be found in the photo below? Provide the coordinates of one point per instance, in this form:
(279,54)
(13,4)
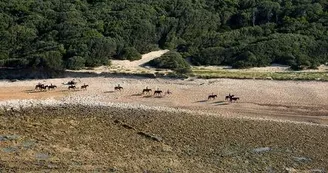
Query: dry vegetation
(84,139)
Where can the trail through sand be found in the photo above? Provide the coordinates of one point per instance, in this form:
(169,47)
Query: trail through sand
(132,65)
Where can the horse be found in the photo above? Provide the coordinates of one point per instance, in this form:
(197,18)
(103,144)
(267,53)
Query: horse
(72,82)
(146,90)
(228,96)
(158,92)
(118,88)
(212,96)
(39,86)
(44,87)
(84,86)
(72,87)
(234,99)
(52,87)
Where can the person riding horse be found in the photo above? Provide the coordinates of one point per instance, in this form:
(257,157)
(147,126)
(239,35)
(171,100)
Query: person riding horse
(84,86)
(158,92)
(51,86)
(118,87)
(228,97)
(146,90)
(72,87)
(39,86)
(234,99)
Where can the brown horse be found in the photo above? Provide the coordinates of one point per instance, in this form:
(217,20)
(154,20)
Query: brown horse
(72,87)
(39,86)
(51,86)
(72,82)
(158,92)
(118,88)
(146,90)
(212,96)
(229,96)
(44,87)
(84,86)
(234,99)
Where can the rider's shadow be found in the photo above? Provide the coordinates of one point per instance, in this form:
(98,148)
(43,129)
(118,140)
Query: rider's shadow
(201,101)
(147,96)
(33,91)
(106,92)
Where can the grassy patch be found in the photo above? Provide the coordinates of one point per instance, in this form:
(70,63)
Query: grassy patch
(318,76)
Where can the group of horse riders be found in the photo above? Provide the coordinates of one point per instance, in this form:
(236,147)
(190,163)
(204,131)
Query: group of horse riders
(156,92)
(147,90)
(228,97)
(43,87)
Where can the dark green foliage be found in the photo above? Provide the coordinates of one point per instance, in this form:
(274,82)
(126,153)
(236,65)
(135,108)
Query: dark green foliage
(171,60)
(75,63)
(129,53)
(240,33)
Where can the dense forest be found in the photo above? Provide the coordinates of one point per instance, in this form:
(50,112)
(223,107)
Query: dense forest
(72,34)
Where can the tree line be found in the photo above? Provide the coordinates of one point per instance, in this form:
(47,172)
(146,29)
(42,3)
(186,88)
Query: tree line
(72,34)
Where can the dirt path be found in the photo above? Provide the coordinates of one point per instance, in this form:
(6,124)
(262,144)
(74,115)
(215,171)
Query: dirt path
(283,100)
(132,65)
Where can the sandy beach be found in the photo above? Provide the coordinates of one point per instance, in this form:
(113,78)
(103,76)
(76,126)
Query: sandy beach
(280,100)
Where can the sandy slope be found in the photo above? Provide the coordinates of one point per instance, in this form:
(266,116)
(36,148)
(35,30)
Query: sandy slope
(133,65)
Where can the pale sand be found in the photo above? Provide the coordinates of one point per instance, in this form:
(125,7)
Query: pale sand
(280,100)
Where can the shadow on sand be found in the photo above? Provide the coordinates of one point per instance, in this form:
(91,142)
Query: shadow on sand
(106,92)
(34,91)
(201,101)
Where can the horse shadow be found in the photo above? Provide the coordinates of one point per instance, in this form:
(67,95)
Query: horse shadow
(158,96)
(106,92)
(33,91)
(72,90)
(147,96)
(219,103)
(201,101)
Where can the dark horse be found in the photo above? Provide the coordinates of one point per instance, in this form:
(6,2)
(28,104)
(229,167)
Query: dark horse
(84,86)
(228,97)
(212,96)
(39,86)
(72,87)
(118,88)
(234,99)
(72,82)
(44,87)
(146,90)
(158,92)
(51,86)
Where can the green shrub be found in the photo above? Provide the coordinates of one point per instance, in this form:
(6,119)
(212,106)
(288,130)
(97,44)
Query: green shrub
(75,63)
(171,60)
(129,53)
